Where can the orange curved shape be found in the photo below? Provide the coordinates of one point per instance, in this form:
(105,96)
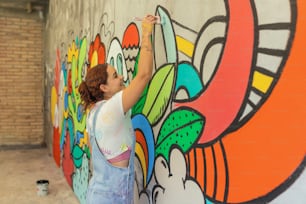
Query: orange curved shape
(266,151)
(142,141)
(207,165)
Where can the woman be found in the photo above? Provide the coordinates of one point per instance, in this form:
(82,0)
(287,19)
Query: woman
(109,124)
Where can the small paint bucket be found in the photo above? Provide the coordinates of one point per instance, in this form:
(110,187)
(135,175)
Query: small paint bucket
(42,187)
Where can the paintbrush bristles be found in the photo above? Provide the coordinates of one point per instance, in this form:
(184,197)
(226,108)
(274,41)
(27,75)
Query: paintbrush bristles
(158,19)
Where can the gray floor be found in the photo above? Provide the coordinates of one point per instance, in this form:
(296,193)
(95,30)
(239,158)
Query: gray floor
(19,171)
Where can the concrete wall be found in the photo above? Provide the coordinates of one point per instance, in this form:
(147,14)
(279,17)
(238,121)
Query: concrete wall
(222,120)
(21,80)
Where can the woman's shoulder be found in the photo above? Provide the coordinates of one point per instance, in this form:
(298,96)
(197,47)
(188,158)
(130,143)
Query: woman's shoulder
(115,98)
(99,103)
(96,107)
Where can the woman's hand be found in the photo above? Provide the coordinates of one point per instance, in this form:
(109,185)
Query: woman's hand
(147,24)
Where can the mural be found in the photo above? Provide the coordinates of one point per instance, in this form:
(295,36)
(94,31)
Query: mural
(221,121)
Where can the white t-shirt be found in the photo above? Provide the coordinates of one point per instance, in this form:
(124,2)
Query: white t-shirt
(114,131)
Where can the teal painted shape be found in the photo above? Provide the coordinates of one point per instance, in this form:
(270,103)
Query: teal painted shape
(189,79)
(77,155)
(169,36)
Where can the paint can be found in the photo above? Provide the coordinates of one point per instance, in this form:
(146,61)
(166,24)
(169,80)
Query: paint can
(42,187)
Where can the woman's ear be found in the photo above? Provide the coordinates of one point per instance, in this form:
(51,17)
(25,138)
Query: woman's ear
(103,87)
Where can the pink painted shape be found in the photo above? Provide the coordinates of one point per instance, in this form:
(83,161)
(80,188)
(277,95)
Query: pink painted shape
(57,71)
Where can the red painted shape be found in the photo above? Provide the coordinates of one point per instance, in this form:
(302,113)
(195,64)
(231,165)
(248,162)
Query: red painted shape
(130,37)
(56,146)
(99,47)
(223,97)
(140,138)
(67,164)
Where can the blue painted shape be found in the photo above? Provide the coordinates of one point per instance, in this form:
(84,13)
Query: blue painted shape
(71,132)
(140,122)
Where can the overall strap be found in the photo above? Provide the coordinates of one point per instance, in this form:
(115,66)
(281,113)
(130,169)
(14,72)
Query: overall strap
(95,119)
(94,127)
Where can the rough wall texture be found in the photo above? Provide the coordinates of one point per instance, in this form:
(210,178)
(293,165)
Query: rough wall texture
(222,120)
(21,81)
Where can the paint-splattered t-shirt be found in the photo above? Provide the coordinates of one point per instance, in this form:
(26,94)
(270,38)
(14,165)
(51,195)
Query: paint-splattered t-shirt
(114,129)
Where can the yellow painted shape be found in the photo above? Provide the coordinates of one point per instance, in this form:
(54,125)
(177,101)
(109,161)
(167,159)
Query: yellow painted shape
(185,46)
(72,51)
(94,59)
(84,140)
(65,110)
(261,81)
(53,104)
(139,151)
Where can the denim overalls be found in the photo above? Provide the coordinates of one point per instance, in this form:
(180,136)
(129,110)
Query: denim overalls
(109,184)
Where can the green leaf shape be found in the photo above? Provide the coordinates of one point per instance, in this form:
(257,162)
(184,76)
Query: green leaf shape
(159,93)
(87,151)
(73,74)
(77,155)
(82,57)
(181,128)
(136,64)
(137,108)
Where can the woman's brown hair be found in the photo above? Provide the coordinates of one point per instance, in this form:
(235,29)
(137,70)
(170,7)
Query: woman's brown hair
(90,88)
